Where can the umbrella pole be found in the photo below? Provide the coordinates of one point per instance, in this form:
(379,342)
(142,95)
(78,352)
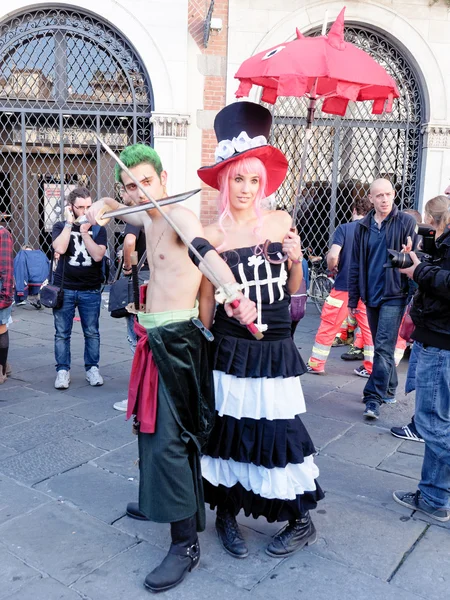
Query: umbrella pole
(306,144)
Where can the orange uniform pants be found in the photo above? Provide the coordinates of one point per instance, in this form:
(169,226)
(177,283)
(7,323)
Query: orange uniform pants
(334,311)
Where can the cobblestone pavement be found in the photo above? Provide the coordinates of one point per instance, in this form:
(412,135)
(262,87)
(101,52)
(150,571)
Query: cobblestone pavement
(67,470)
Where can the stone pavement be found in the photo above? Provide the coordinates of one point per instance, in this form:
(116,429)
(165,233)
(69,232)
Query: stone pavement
(67,470)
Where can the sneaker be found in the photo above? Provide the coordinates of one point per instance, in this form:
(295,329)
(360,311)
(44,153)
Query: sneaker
(414,501)
(362,372)
(338,342)
(21,303)
(407,432)
(122,405)
(315,371)
(372,410)
(62,380)
(353,354)
(93,376)
(390,400)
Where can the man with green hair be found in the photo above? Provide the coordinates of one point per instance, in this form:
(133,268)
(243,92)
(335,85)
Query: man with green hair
(171,387)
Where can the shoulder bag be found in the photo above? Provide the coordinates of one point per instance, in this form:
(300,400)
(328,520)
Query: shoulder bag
(52,296)
(121,292)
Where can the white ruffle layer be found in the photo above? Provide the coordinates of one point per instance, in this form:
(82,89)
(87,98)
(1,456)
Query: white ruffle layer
(258,397)
(281,483)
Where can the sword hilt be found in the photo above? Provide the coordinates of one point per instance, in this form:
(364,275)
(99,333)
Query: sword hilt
(251,326)
(100,218)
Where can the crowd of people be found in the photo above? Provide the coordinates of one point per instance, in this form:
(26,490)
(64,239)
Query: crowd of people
(215,394)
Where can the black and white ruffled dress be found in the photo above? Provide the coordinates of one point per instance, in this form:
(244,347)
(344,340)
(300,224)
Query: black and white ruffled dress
(260,457)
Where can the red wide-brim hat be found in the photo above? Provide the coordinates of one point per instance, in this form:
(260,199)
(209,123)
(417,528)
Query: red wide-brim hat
(241,124)
(273,159)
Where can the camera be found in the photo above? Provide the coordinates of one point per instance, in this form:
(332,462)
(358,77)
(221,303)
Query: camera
(402,260)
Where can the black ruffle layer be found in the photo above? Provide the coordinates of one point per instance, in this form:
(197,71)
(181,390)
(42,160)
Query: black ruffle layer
(237,498)
(253,358)
(260,442)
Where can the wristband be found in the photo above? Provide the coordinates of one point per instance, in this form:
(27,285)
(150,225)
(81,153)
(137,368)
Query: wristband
(68,225)
(202,246)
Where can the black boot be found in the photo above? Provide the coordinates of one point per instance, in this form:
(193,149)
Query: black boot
(134,512)
(183,557)
(293,537)
(230,535)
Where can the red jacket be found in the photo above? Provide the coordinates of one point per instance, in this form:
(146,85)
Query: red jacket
(6,269)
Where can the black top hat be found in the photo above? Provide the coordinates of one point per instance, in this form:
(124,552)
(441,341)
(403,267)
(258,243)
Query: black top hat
(252,118)
(242,129)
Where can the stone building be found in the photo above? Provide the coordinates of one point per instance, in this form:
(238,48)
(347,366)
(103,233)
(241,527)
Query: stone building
(158,71)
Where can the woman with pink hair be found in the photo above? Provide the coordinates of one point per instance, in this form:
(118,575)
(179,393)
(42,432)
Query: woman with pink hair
(260,456)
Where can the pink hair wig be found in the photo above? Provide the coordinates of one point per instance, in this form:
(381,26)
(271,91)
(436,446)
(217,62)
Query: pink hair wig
(245,166)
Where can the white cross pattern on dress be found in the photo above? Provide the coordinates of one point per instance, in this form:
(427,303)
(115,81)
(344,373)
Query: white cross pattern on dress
(270,280)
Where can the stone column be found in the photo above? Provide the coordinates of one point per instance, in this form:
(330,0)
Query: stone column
(436,170)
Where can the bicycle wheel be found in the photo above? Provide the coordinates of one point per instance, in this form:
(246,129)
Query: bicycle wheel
(320,289)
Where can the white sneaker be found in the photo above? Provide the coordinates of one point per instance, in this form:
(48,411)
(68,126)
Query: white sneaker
(122,405)
(94,377)
(62,379)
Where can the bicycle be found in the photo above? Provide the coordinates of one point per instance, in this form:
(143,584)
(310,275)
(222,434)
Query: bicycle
(320,283)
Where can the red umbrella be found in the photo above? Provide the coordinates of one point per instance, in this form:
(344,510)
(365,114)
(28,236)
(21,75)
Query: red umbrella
(319,67)
(324,67)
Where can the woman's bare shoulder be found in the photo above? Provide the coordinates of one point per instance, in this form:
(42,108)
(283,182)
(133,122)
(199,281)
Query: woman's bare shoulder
(278,222)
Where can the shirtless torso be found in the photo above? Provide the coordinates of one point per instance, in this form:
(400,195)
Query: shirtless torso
(174,279)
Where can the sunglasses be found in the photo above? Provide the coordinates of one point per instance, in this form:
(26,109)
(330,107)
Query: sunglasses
(206,332)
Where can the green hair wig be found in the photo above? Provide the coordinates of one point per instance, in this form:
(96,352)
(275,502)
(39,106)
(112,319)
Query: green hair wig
(134,155)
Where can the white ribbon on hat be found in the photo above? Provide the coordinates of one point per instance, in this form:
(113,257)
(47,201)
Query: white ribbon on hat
(227,148)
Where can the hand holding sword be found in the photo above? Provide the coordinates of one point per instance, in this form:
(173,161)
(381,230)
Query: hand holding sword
(228,291)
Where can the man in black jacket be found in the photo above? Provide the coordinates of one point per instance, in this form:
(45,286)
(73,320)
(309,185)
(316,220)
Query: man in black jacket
(383,290)
(431,315)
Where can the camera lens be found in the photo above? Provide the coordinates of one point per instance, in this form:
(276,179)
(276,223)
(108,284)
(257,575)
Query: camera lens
(400,260)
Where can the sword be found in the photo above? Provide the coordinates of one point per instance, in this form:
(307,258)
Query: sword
(106,214)
(228,289)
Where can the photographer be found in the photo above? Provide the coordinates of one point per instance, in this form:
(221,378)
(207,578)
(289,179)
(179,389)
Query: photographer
(431,315)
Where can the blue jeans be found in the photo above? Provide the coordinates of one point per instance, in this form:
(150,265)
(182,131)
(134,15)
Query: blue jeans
(131,334)
(384,322)
(88,303)
(432,420)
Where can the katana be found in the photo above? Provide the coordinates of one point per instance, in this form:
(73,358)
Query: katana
(105,214)
(229,290)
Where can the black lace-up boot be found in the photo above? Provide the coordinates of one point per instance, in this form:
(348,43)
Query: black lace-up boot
(293,537)
(230,535)
(183,557)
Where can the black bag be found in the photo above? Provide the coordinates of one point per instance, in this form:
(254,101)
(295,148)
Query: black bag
(121,292)
(51,295)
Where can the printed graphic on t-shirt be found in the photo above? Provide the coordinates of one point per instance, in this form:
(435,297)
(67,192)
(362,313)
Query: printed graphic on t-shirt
(81,271)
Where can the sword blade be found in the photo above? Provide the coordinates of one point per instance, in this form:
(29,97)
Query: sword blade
(127,210)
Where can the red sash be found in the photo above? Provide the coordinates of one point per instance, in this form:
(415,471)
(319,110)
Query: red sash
(143,386)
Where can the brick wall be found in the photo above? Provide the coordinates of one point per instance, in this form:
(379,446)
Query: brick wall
(214,86)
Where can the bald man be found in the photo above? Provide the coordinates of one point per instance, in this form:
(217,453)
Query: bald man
(383,290)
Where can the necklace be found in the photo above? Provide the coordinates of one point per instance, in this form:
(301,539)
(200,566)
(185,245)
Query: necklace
(161,256)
